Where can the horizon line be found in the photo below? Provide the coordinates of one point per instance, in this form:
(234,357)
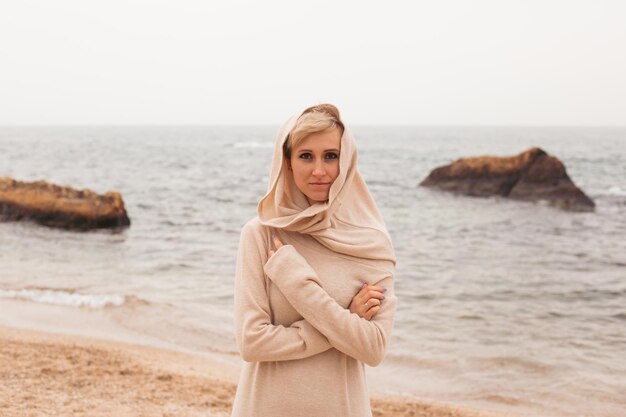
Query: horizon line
(278,124)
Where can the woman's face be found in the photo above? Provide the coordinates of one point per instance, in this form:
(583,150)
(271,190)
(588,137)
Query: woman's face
(315,164)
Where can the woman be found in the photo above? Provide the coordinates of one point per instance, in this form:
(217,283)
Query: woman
(314,295)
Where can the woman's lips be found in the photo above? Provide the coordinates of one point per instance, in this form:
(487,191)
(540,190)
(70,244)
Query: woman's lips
(319,184)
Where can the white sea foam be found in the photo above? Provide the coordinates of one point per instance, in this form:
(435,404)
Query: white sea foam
(68,298)
(617,191)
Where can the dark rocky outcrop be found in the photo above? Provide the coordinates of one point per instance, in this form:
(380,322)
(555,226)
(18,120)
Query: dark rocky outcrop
(63,207)
(532,175)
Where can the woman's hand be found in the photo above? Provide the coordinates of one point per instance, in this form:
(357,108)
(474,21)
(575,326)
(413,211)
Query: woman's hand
(366,302)
(277,243)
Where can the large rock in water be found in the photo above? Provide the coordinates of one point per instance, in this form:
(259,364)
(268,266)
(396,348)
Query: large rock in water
(532,175)
(63,207)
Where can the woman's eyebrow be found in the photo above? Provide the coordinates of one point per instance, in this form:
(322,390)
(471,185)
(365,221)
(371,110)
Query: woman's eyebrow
(325,150)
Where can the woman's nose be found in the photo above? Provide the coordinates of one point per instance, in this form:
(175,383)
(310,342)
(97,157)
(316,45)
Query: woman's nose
(319,170)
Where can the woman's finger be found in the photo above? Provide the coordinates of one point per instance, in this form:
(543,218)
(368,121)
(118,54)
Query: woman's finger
(372,302)
(277,242)
(356,305)
(363,292)
(271,252)
(366,287)
(366,292)
(371,313)
(375,294)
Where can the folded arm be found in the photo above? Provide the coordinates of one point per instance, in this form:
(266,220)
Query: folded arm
(364,340)
(257,338)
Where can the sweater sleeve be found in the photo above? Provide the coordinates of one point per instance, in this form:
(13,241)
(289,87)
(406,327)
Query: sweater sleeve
(257,338)
(364,340)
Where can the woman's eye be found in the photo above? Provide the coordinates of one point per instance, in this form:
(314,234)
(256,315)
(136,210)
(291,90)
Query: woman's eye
(305,155)
(332,155)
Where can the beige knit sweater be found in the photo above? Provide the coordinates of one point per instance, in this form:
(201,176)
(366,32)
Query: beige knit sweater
(304,351)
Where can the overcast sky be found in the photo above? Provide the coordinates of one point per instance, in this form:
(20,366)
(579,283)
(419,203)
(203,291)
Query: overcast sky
(437,62)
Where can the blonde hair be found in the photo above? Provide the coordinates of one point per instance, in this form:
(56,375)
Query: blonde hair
(319,118)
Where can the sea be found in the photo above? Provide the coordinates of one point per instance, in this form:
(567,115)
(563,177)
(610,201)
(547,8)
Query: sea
(504,306)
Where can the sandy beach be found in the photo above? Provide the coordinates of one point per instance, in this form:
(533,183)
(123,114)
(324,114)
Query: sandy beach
(59,372)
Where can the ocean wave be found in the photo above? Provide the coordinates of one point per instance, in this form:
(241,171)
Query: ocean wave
(473,317)
(616,191)
(173,266)
(526,365)
(408,360)
(620,316)
(68,297)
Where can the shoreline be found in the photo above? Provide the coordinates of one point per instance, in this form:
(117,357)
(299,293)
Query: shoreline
(70,367)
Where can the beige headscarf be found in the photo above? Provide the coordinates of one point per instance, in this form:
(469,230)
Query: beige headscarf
(348,223)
